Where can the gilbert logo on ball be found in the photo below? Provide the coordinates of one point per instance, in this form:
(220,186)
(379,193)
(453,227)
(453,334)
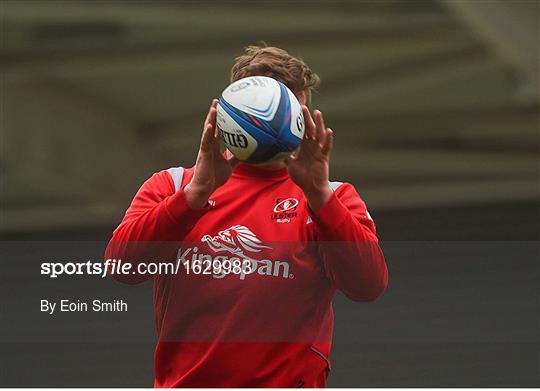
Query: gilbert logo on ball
(260,119)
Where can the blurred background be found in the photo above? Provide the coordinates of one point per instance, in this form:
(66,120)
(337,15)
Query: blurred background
(436,109)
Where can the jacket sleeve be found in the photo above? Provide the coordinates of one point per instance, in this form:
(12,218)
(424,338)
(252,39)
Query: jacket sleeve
(348,246)
(158,218)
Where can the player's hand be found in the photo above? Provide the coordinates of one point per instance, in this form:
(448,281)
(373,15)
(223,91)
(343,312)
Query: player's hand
(309,167)
(212,169)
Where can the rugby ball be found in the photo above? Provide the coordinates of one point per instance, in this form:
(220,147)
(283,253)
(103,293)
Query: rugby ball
(260,120)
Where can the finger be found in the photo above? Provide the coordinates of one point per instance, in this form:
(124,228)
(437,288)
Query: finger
(211,120)
(309,123)
(304,145)
(207,138)
(217,145)
(307,146)
(328,143)
(321,128)
(212,116)
(213,105)
(217,133)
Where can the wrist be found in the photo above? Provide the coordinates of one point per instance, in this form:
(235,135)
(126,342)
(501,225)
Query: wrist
(316,198)
(197,196)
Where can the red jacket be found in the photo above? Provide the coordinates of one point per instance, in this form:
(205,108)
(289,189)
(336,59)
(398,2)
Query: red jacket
(270,326)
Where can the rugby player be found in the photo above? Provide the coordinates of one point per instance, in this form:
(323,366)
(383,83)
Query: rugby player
(267,323)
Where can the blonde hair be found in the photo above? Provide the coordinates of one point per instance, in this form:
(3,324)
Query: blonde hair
(276,63)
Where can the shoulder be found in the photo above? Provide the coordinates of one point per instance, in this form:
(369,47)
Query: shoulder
(335,185)
(167,181)
(175,177)
(342,188)
(347,193)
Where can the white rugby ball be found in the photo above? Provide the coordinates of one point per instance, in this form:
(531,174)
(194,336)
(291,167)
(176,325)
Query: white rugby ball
(260,119)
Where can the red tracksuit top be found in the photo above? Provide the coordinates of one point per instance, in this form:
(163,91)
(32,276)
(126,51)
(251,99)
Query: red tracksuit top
(269,328)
